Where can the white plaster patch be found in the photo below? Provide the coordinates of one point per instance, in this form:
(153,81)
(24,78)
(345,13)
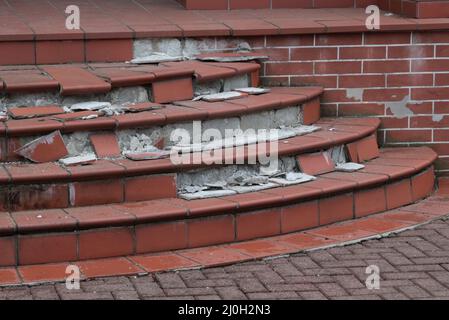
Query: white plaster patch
(399,109)
(355,93)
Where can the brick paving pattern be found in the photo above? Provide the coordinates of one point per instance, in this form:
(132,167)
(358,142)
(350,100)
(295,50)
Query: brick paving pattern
(413,265)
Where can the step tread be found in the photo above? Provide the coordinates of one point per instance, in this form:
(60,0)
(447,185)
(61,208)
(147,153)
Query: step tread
(101,78)
(342,132)
(178,111)
(174,208)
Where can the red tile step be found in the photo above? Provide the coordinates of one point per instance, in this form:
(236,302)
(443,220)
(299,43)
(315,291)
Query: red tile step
(337,234)
(110,230)
(112,176)
(178,111)
(84,79)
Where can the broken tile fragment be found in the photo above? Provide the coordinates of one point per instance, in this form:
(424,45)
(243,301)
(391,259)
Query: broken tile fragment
(44,149)
(292,178)
(253,188)
(156,57)
(90,106)
(151,155)
(34,112)
(206,194)
(105,145)
(80,115)
(230,56)
(79,160)
(253,90)
(363,150)
(349,167)
(315,163)
(143,106)
(222,96)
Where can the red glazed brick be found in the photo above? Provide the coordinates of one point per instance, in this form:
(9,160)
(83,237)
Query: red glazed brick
(105,243)
(258,224)
(210,231)
(108,267)
(27,81)
(214,256)
(315,163)
(105,145)
(249,4)
(96,192)
(363,150)
(8,251)
(161,237)
(44,272)
(44,149)
(172,90)
(43,220)
(67,51)
(17,52)
(299,217)
(32,112)
(109,50)
(9,276)
(423,184)
(311,111)
(163,262)
(47,248)
(369,201)
(399,194)
(150,188)
(338,208)
(44,196)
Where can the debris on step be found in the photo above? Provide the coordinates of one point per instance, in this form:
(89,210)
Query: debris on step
(142,106)
(315,163)
(230,57)
(268,171)
(245,178)
(292,178)
(206,194)
(338,154)
(34,112)
(150,155)
(79,160)
(79,115)
(349,167)
(222,96)
(156,57)
(3,116)
(253,188)
(105,145)
(48,148)
(253,90)
(302,129)
(89,106)
(160,143)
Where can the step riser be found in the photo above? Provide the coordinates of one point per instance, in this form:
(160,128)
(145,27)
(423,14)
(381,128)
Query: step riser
(118,96)
(197,232)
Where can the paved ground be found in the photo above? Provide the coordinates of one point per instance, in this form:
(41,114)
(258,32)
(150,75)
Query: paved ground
(413,265)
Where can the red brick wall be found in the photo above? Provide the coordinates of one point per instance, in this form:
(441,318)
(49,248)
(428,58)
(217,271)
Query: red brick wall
(401,78)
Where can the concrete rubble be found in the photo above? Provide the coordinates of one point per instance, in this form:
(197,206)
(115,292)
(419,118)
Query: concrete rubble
(156,57)
(47,148)
(79,160)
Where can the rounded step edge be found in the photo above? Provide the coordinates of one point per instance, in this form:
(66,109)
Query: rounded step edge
(172,224)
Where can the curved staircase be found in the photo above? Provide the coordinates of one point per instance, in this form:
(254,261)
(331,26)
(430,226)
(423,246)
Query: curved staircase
(117,206)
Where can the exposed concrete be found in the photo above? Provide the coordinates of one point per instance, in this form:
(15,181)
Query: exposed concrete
(355,94)
(222,125)
(287,117)
(256,121)
(399,109)
(30,99)
(139,140)
(128,95)
(78,143)
(186,47)
(239,81)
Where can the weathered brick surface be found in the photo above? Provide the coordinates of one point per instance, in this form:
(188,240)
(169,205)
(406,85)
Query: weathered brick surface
(413,265)
(400,77)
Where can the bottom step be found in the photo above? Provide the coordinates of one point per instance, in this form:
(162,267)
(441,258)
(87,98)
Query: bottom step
(338,234)
(388,182)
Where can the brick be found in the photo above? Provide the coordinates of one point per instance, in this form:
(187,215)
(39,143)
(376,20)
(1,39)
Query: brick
(339,67)
(408,135)
(8,251)
(209,231)
(399,194)
(47,248)
(361,81)
(384,94)
(311,112)
(258,224)
(388,38)
(386,66)
(106,243)
(362,53)
(409,80)
(109,50)
(299,217)
(172,90)
(423,184)
(430,65)
(96,192)
(68,51)
(289,68)
(431,37)
(413,51)
(338,208)
(17,52)
(289,41)
(150,187)
(361,109)
(29,197)
(302,54)
(434,93)
(338,39)
(370,201)
(161,237)
(315,163)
